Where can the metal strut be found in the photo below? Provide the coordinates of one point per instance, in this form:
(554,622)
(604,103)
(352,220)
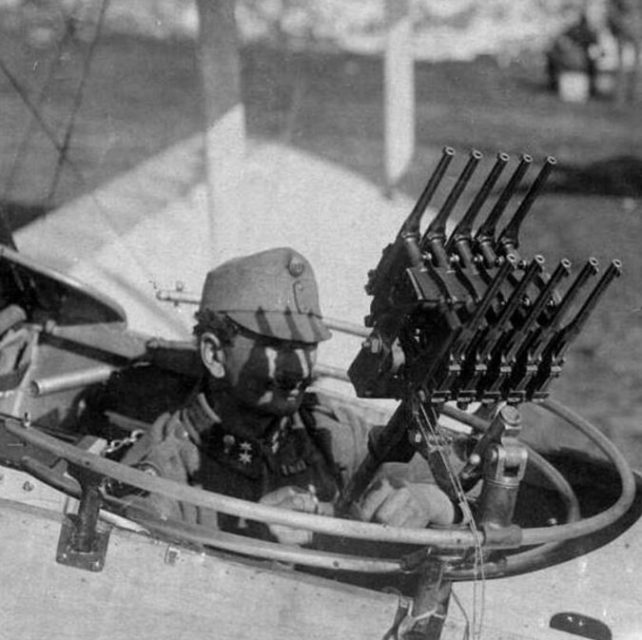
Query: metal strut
(82,544)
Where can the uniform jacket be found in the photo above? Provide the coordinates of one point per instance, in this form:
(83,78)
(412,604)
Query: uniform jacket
(320,446)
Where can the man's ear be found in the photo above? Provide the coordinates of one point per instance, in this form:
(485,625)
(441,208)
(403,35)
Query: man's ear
(212,354)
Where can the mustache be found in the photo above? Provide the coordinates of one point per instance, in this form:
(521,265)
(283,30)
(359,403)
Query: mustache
(289,382)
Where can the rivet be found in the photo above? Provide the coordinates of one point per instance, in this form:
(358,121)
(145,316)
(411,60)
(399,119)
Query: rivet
(171,555)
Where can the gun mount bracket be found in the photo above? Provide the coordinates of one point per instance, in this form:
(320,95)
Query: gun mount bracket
(69,552)
(83,540)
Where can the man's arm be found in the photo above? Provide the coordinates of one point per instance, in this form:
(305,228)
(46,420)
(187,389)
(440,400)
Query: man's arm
(161,453)
(401,494)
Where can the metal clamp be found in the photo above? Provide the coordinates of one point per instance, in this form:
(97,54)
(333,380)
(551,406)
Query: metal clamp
(82,544)
(426,617)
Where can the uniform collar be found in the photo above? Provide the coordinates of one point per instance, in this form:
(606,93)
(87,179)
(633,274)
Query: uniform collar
(199,418)
(201,421)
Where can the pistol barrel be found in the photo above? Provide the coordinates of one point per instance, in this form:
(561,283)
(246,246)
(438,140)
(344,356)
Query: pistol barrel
(487,229)
(553,355)
(464,228)
(509,237)
(568,334)
(517,340)
(411,224)
(476,320)
(406,248)
(534,268)
(434,239)
(437,228)
(548,333)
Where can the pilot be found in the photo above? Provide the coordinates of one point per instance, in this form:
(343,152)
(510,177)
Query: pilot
(253,429)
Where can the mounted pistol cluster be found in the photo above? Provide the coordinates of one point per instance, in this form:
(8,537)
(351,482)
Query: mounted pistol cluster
(463,316)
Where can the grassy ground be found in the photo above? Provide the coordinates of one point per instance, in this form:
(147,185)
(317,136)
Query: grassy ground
(142,96)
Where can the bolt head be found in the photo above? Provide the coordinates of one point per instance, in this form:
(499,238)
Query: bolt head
(510,415)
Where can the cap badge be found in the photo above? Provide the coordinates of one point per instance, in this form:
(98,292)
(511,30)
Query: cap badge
(296,267)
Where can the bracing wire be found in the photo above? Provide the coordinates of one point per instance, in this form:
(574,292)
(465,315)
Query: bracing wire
(77,101)
(39,102)
(62,147)
(429,429)
(464,613)
(35,112)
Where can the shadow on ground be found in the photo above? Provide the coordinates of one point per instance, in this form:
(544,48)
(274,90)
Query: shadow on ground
(16,215)
(616,176)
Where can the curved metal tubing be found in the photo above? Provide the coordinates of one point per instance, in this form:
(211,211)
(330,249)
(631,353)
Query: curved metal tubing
(270,550)
(221,540)
(544,554)
(541,535)
(559,482)
(451,538)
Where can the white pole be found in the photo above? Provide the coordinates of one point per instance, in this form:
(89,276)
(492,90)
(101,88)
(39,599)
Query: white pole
(399,92)
(224,125)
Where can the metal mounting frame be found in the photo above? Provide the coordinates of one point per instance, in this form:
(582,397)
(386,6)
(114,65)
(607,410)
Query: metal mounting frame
(69,553)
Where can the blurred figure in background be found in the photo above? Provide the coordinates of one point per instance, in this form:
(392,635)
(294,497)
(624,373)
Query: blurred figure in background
(624,21)
(577,49)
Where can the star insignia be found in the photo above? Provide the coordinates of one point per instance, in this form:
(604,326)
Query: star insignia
(245,457)
(246,447)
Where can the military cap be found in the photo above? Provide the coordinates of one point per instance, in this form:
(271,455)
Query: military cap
(272,293)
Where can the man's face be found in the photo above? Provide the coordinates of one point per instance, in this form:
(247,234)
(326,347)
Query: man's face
(268,375)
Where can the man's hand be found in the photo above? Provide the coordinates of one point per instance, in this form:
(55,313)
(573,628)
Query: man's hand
(295,499)
(412,505)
